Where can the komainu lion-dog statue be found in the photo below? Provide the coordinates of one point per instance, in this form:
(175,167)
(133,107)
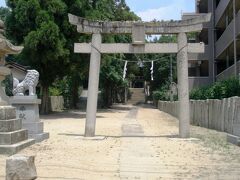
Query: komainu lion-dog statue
(29,83)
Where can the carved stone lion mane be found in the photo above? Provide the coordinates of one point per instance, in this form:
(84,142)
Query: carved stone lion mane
(29,83)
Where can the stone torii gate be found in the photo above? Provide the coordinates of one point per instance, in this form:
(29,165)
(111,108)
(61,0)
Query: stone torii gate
(138,46)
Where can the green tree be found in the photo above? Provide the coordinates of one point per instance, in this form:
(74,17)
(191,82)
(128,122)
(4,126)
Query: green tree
(4,12)
(162,65)
(42,27)
(36,25)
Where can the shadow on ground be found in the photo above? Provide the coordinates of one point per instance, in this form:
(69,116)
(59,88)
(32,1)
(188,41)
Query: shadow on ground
(66,114)
(81,114)
(122,136)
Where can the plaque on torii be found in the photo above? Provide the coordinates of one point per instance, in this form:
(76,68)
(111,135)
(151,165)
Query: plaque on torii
(138,30)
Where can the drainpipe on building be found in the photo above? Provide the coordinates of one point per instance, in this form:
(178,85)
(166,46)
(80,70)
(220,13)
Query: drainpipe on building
(234,38)
(213,41)
(171,78)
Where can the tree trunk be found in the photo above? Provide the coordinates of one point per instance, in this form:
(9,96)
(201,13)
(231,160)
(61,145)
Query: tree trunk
(74,95)
(45,102)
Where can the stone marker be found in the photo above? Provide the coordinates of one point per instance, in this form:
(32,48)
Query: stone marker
(27,106)
(28,111)
(20,167)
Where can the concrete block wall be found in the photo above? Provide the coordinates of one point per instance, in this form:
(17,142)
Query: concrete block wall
(56,103)
(222,115)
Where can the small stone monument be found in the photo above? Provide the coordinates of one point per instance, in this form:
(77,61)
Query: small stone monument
(20,167)
(27,106)
(12,137)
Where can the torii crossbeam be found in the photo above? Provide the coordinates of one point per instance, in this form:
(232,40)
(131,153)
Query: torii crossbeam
(138,46)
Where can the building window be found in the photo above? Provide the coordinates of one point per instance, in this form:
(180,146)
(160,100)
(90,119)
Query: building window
(198,69)
(217,3)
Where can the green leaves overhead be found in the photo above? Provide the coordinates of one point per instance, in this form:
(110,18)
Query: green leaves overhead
(55,7)
(42,27)
(42,17)
(26,13)
(4,12)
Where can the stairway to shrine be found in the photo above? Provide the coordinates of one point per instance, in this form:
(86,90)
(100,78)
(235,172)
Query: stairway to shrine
(137,96)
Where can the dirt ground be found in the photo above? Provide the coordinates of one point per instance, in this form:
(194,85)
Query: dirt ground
(139,143)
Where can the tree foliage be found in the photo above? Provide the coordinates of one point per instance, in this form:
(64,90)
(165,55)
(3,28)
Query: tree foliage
(42,27)
(4,12)
(38,25)
(219,90)
(162,68)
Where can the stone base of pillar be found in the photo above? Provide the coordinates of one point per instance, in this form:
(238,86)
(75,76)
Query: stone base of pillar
(12,137)
(35,131)
(14,148)
(28,110)
(233,139)
(39,137)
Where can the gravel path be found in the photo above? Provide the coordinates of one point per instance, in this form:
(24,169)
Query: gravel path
(139,143)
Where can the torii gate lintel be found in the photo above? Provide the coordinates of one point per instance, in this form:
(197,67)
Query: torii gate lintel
(138,46)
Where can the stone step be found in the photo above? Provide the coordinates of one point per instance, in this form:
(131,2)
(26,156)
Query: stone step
(34,128)
(137,98)
(7,112)
(8,138)
(135,102)
(137,94)
(14,148)
(39,137)
(130,102)
(142,99)
(10,125)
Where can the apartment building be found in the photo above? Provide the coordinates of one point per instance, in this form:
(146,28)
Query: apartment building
(222,39)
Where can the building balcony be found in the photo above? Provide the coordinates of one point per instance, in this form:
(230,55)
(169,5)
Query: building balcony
(229,72)
(221,8)
(186,16)
(227,37)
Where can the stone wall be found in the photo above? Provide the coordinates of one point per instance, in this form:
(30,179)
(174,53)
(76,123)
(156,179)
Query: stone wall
(222,115)
(56,103)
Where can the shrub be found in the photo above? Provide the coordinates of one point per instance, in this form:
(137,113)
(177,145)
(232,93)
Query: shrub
(219,90)
(161,94)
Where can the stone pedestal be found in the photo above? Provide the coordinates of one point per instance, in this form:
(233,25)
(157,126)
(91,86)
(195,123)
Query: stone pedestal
(21,167)
(12,137)
(27,110)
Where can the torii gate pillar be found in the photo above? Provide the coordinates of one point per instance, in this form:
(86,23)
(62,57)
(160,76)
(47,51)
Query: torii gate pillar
(93,84)
(183,86)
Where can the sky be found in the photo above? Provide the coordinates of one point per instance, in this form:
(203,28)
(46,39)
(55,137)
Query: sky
(156,9)
(161,9)
(2,3)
